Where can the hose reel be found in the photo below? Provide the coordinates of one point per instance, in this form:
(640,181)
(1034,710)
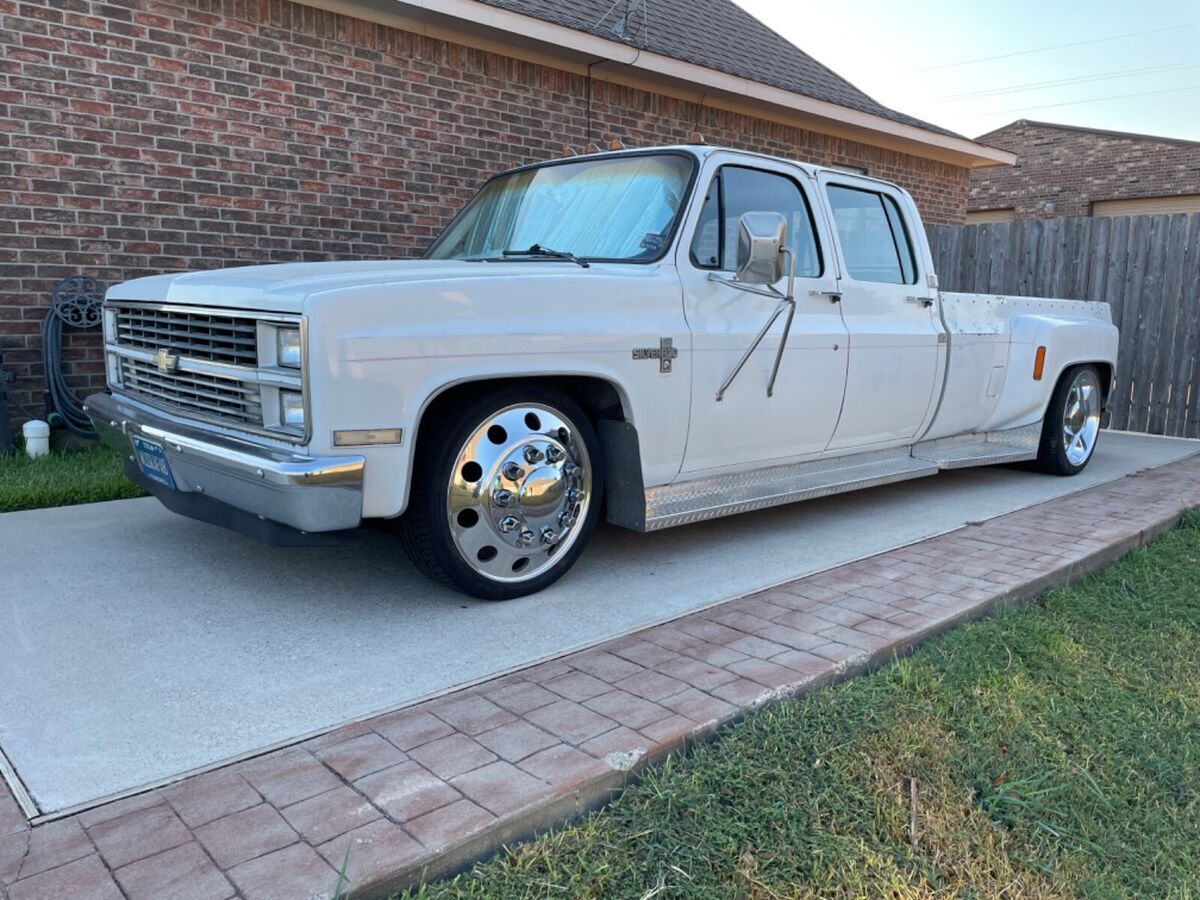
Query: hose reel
(76,302)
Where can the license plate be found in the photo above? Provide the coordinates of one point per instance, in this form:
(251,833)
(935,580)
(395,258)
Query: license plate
(152,460)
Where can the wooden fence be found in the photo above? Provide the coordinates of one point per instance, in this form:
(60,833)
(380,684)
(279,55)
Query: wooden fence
(1147,268)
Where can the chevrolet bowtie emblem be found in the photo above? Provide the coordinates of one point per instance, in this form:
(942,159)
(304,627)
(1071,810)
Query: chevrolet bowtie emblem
(664,353)
(165,361)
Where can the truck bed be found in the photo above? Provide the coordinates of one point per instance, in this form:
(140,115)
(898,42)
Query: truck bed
(989,313)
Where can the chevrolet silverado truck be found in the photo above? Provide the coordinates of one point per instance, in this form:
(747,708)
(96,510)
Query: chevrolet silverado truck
(658,336)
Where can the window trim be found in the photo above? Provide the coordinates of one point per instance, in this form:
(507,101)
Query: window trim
(720,183)
(877,190)
(676,223)
(717,176)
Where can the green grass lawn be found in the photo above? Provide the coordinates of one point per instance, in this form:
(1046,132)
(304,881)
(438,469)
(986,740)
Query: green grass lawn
(1055,751)
(63,478)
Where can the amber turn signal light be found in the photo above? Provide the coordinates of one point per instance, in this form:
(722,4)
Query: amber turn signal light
(1039,363)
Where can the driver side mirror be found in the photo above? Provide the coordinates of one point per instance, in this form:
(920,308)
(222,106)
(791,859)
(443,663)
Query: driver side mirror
(761,240)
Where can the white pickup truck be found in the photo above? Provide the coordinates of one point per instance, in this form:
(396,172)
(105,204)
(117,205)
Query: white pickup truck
(660,336)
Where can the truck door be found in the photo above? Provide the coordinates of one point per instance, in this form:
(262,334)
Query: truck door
(889,312)
(746,427)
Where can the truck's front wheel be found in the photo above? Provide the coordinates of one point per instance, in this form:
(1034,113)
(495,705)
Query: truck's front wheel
(505,492)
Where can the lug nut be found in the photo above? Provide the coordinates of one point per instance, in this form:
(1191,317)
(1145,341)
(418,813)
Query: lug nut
(513,472)
(548,535)
(508,523)
(554,454)
(525,538)
(570,469)
(533,454)
(566,520)
(503,498)
(574,495)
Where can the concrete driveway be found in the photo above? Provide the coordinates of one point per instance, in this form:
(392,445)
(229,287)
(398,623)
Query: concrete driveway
(136,646)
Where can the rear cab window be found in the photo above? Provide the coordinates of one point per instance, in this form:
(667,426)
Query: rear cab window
(876,245)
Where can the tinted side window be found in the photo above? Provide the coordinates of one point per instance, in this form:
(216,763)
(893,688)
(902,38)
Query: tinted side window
(738,190)
(873,236)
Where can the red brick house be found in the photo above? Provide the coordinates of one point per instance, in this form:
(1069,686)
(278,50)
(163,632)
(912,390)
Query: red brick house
(141,136)
(1064,170)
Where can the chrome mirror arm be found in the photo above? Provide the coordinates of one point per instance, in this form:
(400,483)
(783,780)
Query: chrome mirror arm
(786,301)
(754,346)
(767,290)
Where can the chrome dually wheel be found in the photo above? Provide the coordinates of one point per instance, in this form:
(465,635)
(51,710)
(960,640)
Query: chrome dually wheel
(519,487)
(507,484)
(1081,416)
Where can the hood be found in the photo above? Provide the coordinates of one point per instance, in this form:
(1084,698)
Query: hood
(282,288)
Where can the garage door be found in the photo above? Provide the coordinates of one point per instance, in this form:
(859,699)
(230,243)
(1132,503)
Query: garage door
(982,216)
(1147,206)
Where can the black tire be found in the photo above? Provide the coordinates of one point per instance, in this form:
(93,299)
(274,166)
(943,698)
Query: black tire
(1053,457)
(425,529)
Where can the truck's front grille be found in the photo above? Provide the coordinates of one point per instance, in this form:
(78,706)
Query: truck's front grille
(209,396)
(204,363)
(216,338)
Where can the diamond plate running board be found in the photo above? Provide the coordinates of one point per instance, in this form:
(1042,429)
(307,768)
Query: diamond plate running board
(724,495)
(989,449)
(685,502)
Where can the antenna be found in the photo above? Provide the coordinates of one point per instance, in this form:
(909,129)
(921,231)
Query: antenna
(622,28)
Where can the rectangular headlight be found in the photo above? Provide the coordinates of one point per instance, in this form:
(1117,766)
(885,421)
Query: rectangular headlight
(291,409)
(287,347)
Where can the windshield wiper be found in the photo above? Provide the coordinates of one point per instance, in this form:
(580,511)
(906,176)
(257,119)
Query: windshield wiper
(538,251)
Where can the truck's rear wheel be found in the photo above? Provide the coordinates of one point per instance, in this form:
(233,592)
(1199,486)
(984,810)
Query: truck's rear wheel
(1072,424)
(505,492)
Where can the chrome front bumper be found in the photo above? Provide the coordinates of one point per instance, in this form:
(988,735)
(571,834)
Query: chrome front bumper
(310,494)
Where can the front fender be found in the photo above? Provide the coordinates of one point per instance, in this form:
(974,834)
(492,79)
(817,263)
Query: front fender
(380,355)
(556,375)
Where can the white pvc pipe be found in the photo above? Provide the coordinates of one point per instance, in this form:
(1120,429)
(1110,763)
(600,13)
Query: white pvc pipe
(37,437)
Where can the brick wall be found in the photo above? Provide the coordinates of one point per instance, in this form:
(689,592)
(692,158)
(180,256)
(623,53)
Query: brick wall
(1074,169)
(140,136)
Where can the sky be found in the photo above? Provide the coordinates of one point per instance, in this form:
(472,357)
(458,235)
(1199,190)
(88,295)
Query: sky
(1134,66)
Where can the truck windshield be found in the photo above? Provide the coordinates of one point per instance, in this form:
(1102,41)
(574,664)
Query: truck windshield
(615,208)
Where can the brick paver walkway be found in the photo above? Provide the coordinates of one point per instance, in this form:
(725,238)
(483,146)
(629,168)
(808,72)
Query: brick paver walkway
(419,792)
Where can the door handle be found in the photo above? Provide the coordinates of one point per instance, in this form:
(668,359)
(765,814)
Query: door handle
(924,301)
(834,296)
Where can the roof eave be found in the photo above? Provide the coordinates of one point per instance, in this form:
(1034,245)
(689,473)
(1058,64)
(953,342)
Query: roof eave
(1061,126)
(491,28)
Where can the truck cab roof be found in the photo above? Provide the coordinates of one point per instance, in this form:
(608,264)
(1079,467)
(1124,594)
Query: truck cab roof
(702,152)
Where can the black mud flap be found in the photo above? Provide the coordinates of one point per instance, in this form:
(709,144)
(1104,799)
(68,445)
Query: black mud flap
(626,494)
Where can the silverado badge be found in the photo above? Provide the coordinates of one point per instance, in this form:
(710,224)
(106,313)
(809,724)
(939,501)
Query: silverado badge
(664,353)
